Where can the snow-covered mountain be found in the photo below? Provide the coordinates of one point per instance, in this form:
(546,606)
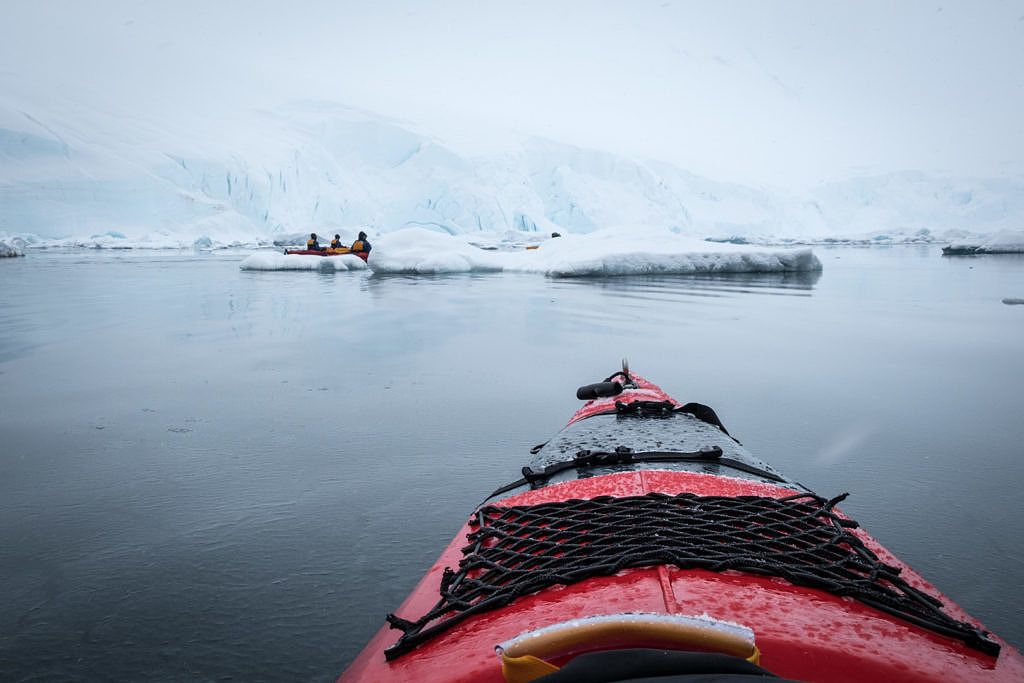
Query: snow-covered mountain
(76,175)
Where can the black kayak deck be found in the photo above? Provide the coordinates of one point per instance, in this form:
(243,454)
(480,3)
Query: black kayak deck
(603,444)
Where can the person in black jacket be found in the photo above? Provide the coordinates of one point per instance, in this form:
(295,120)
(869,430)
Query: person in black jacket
(361,246)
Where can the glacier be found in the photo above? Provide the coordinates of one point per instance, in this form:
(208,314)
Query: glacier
(75,176)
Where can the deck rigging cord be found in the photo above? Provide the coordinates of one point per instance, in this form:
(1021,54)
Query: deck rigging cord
(514,551)
(622,455)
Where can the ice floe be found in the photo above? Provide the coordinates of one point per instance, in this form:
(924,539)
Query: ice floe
(1006,242)
(13,246)
(886,238)
(602,253)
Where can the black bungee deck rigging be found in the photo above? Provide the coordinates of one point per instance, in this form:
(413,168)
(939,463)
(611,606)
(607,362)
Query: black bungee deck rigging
(517,550)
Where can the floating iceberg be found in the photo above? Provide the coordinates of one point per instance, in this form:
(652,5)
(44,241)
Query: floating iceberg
(277,261)
(13,246)
(1006,242)
(603,253)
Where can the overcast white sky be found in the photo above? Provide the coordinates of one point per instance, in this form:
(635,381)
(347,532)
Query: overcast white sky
(782,93)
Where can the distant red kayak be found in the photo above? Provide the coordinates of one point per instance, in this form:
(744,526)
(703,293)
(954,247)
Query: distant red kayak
(643,541)
(327,252)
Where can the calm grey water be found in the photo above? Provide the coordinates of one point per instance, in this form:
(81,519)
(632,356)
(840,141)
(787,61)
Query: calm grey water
(207,473)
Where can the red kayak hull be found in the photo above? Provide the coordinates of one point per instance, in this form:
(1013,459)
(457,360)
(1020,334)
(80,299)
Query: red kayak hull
(312,252)
(803,633)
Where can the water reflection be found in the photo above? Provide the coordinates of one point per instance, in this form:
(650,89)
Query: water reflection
(710,285)
(786,280)
(239,473)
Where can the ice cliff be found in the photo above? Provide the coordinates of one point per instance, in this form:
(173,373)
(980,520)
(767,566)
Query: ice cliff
(70,175)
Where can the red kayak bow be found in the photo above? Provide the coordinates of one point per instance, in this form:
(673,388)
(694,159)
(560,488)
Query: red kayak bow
(643,540)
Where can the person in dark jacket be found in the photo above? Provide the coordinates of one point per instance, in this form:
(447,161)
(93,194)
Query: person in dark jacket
(361,246)
(313,244)
(336,243)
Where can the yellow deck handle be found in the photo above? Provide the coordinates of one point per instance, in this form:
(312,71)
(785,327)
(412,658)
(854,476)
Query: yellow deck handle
(523,658)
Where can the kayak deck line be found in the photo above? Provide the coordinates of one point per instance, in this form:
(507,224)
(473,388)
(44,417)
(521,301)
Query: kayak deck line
(587,459)
(521,549)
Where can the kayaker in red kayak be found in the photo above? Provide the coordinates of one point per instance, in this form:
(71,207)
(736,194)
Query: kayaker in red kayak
(361,246)
(312,244)
(336,242)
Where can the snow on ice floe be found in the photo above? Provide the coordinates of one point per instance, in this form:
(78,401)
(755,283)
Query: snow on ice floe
(13,246)
(602,253)
(278,261)
(1006,242)
(424,252)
